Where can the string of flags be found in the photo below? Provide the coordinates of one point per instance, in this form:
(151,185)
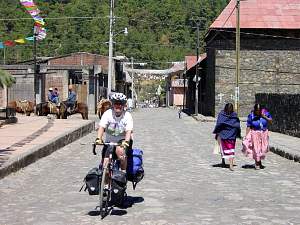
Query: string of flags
(39,23)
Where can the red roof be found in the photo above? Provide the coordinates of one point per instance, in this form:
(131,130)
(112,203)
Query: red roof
(275,14)
(192,59)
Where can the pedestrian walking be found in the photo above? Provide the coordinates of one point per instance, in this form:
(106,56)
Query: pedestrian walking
(130,104)
(179,112)
(256,141)
(226,131)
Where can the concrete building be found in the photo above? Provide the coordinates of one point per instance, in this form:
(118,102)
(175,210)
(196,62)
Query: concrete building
(86,72)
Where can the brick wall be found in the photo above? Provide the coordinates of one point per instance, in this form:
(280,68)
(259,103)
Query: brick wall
(81,59)
(270,71)
(285,110)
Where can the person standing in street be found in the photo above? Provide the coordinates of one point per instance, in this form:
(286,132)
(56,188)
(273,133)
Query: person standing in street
(226,131)
(130,104)
(256,141)
(56,95)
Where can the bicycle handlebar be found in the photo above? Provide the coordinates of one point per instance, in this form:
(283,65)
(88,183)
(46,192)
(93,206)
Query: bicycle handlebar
(105,143)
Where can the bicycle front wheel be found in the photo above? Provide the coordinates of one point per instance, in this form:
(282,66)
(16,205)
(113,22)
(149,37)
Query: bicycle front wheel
(102,198)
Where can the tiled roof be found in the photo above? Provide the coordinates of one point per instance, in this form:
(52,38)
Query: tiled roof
(274,14)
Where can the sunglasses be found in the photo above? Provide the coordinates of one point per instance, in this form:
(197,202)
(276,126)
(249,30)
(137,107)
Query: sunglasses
(118,103)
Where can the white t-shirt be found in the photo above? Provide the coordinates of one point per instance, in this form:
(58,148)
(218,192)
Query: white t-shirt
(116,127)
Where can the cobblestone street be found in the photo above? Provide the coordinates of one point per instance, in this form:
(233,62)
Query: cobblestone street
(183,183)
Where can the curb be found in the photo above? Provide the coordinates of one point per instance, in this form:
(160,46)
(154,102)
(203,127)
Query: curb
(204,118)
(8,121)
(285,154)
(34,154)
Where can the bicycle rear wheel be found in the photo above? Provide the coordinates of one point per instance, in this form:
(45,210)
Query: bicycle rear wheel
(103,195)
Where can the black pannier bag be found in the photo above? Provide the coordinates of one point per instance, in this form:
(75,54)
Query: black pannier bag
(118,187)
(92,180)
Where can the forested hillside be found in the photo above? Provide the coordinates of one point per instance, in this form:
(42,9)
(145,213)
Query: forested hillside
(159,30)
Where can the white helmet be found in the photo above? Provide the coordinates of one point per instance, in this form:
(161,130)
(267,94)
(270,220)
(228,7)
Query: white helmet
(118,97)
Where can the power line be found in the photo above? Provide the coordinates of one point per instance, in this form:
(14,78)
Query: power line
(56,18)
(105,43)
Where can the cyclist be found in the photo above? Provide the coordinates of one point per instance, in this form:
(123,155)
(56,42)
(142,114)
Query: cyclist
(117,125)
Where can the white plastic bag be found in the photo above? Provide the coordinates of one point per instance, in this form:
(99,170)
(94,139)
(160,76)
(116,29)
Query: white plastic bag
(217,149)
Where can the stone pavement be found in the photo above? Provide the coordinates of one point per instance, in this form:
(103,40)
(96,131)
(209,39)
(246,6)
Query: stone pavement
(33,137)
(281,144)
(184,183)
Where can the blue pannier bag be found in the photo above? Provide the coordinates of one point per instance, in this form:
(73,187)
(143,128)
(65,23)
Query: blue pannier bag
(135,170)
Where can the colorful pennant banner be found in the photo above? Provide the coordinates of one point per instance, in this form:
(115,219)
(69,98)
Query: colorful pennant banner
(39,22)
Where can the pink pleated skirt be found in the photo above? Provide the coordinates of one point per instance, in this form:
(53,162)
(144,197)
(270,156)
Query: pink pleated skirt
(256,144)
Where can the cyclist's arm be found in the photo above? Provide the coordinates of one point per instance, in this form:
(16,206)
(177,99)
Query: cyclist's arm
(100,132)
(128,135)
(102,125)
(129,127)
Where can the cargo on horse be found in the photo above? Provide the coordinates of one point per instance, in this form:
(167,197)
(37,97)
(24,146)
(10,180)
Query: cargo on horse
(45,108)
(22,106)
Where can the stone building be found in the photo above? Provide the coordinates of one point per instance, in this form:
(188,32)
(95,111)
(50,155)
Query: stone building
(269,58)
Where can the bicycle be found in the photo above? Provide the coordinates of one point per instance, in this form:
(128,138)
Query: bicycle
(105,192)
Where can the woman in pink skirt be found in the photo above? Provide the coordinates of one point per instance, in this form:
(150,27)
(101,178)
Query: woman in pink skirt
(256,142)
(227,129)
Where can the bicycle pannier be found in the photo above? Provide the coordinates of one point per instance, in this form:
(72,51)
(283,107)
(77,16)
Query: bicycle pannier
(118,187)
(135,170)
(92,180)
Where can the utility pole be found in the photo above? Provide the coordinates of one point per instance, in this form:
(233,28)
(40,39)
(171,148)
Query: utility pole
(110,48)
(237,88)
(4,56)
(35,78)
(197,73)
(132,97)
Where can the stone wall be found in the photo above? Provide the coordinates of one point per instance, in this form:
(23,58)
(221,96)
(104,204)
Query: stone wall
(270,71)
(285,110)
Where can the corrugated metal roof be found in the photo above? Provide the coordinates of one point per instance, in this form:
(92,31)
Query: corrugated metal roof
(274,14)
(191,60)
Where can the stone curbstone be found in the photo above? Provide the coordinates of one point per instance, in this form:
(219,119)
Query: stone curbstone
(34,154)
(285,154)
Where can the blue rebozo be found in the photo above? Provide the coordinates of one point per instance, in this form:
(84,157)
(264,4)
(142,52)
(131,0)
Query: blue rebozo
(135,170)
(257,122)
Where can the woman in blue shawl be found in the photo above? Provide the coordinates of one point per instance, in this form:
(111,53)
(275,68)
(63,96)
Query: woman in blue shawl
(227,129)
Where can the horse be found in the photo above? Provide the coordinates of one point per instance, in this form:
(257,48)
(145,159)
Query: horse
(25,107)
(45,108)
(102,106)
(80,107)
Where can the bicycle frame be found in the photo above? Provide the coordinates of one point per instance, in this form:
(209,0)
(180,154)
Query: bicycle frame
(106,171)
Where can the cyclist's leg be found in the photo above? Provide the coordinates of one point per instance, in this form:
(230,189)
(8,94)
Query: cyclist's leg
(122,156)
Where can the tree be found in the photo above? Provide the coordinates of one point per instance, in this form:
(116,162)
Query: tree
(6,79)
